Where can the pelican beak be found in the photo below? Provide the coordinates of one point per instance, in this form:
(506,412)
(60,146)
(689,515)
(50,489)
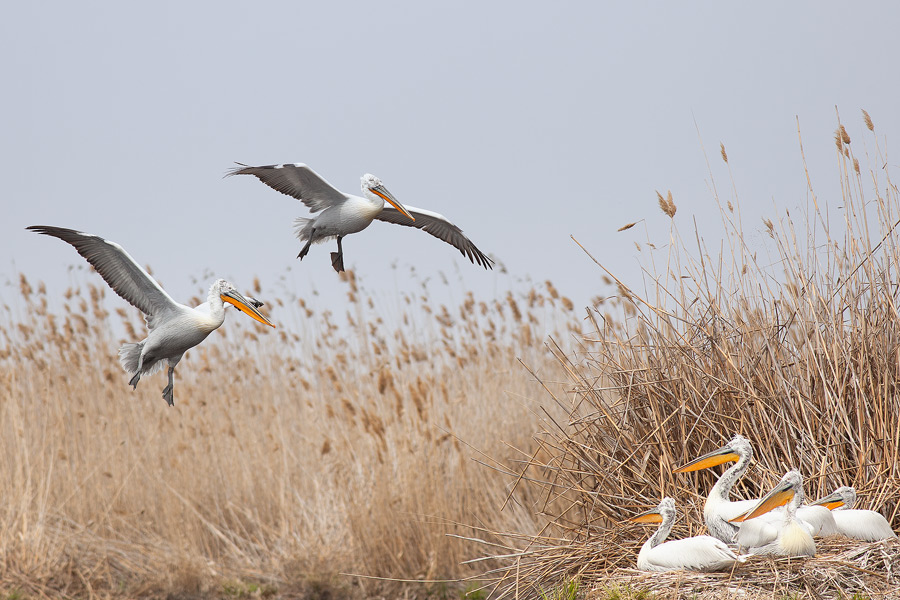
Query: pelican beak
(650,516)
(830,501)
(710,459)
(389,197)
(246,305)
(780,496)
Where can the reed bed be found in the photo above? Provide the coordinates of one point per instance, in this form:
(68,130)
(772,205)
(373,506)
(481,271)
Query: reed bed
(794,343)
(342,442)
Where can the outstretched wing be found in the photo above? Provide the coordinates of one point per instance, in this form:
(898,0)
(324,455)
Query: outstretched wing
(296,180)
(438,226)
(126,278)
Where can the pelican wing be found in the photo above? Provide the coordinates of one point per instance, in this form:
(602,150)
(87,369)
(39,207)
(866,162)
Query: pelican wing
(118,269)
(296,180)
(438,226)
(701,553)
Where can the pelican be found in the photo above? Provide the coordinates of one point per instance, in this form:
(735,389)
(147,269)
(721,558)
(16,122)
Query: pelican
(174,328)
(700,553)
(792,537)
(764,528)
(866,525)
(718,509)
(343,214)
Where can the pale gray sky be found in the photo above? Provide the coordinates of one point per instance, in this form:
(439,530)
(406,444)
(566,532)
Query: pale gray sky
(522,122)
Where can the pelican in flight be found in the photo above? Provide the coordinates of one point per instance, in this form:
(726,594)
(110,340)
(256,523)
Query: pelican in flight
(718,509)
(866,525)
(792,537)
(700,553)
(174,328)
(343,214)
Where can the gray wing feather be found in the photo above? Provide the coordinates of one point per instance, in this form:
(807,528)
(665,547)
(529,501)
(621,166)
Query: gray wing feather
(126,278)
(438,226)
(295,180)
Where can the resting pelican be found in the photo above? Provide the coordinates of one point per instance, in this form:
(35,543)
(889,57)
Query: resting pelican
(866,525)
(764,528)
(718,509)
(343,214)
(174,328)
(700,553)
(792,538)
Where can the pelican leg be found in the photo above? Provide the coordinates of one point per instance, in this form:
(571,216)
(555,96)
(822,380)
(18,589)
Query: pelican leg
(337,258)
(137,375)
(169,390)
(305,250)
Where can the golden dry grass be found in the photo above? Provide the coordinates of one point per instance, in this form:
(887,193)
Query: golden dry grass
(795,345)
(339,443)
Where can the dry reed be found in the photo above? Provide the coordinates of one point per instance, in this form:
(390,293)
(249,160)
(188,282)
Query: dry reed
(338,443)
(798,350)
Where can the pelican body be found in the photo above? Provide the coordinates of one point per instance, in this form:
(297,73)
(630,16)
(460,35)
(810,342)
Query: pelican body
(791,537)
(174,328)
(866,525)
(718,510)
(341,214)
(700,553)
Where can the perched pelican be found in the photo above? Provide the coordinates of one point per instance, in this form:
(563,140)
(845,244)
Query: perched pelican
(718,509)
(700,553)
(792,537)
(866,525)
(343,214)
(174,328)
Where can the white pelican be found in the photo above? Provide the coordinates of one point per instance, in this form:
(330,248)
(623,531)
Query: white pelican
(718,509)
(343,214)
(792,537)
(764,528)
(174,328)
(866,525)
(700,553)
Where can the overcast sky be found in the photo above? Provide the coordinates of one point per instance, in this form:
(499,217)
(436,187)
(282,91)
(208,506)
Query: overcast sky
(524,123)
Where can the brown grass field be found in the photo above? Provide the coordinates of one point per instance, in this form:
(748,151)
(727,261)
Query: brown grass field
(489,448)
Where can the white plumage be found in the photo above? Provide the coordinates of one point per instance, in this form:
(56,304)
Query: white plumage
(342,214)
(718,509)
(859,524)
(785,536)
(700,553)
(174,328)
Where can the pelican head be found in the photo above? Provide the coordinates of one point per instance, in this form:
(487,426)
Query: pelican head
(737,448)
(373,185)
(790,486)
(843,497)
(664,512)
(228,293)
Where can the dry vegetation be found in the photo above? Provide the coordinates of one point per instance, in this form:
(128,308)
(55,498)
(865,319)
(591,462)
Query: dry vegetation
(797,349)
(335,444)
(346,444)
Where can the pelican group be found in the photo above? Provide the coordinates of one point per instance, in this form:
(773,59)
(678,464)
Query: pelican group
(342,214)
(789,536)
(866,525)
(174,328)
(699,553)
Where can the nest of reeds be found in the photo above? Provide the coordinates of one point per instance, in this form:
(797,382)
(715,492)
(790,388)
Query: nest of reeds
(842,568)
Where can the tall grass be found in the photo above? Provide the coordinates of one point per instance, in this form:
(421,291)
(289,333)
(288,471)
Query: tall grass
(342,442)
(794,344)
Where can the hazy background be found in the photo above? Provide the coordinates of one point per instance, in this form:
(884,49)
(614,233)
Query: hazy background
(524,123)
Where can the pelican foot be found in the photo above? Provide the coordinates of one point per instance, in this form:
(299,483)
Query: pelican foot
(169,395)
(337,261)
(304,251)
(134,380)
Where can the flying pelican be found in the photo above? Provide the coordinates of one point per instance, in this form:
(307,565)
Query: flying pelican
(718,509)
(174,328)
(700,553)
(866,525)
(792,537)
(343,214)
